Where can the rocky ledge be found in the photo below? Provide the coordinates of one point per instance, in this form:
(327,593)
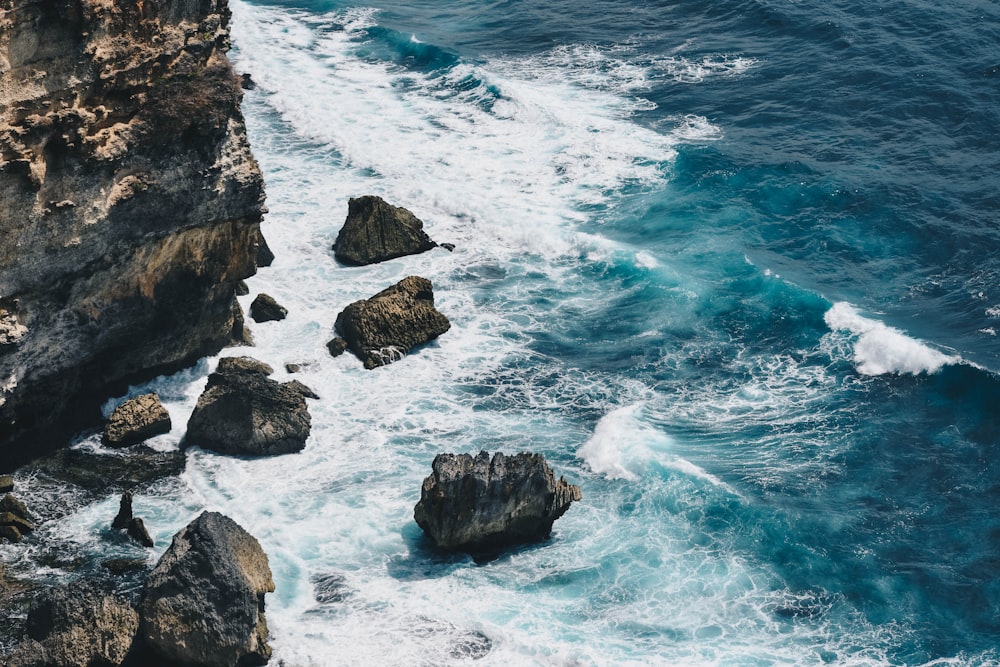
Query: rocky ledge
(130,204)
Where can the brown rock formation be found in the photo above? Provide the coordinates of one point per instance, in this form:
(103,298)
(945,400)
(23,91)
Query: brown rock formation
(135,420)
(376,231)
(129,203)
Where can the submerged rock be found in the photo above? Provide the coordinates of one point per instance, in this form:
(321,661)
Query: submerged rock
(265,309)
(244,412)
(383,328)
(203,603)
(482,505)
(102,474)
(77,626)
(136,420)
(376,231)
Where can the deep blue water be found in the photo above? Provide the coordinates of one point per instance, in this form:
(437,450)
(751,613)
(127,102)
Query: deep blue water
(732,266)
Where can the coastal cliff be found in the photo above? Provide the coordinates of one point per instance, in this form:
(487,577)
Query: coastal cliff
(130,203)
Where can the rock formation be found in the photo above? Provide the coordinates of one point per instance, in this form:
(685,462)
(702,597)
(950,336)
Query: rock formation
(132,525)
(77,626)
(242,411)
(6,483)
(376,231)
(203,604)
(129,203)
(15,520)
(265,309)
(383,328)
(482,505)
(135,420)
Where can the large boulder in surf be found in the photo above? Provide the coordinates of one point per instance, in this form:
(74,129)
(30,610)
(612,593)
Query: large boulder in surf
(482,505)
(77,626)
(376,231)
(244,412)
(136,420)
(383,328)
(203,603)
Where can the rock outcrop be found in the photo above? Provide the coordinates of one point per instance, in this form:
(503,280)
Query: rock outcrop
(203,604)
(132,525)
(383,328)
(244,412)
(376,231)
(15,520)
(77,626)
(265,309)
(130,204)
(136,420)
(482,505)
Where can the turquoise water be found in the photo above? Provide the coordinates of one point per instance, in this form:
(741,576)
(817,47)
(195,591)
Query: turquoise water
(731,266)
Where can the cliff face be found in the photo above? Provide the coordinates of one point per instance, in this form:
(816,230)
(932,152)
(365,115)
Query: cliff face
(129,203)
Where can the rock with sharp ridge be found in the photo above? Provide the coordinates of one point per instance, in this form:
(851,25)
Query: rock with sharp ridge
(203,603)
(376,231)
(265,309)
(383,328)
(482,505)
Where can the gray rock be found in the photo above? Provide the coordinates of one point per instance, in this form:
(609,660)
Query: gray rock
(203,603)
(77,626)
(383,328)
(244,412)
(264,255)
(136,420)
(22,524)
(137,531)
(265,309)
(10,533)
(124,516)
(482,505)
(303,389)
(376,231)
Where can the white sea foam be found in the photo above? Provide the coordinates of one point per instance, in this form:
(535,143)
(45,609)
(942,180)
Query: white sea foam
(881,349)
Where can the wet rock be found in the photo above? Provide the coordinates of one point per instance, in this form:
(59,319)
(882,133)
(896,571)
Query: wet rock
(10,533)
(78,626)
(337,346)
(265,309)
(124,516)
(242,289)
(450,247)
(383,328)
(482,505)
(11,504)
(247,82)
(264,255)
(122,566)
(376,231)
(103,474)
(137,531)
(203,603)
(22,524)
(136,420)
(241,334)
(6,483)
(293,368)
(302,389)
(244,412)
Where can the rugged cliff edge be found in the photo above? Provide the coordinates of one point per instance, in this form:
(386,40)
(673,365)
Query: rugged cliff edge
(130,203)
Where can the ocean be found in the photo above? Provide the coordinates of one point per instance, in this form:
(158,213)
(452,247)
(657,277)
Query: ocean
(731,266)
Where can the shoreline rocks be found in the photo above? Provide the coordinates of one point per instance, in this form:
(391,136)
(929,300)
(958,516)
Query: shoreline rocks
(385,327)
(244,412)
(376,231)
(136,420)
(265,309)
(483,505)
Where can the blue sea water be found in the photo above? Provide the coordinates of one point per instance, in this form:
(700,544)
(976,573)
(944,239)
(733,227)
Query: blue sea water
(732,266)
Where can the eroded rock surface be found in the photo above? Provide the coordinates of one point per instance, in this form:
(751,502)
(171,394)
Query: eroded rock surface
(383,328)
(482,505)
(376,231)
(130,203)
(136,420)
(203,604)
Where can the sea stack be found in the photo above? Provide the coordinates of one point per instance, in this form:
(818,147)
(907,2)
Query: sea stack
(376,231)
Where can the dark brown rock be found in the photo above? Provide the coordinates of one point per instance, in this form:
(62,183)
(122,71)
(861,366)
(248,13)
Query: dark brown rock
(6,483)
(10,533)
(337,346)
(22,524)
(124,516)
(302,389)
(15,506)
(376,231)
(265,309)
(482,505)
(264,255)
(103,475)
(244,412)
(383,328)
(136,420)
(137,531)
(203,604)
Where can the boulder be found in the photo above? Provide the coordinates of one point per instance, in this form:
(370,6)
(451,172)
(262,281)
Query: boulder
(383,328)
(77,626)
(203,603)
(6,483)
(124,516)
(136,420)
(11,504)
(376,231)
(244,412)
(337,346)
(265,309)
(303,389)
(482,505)
(137,531)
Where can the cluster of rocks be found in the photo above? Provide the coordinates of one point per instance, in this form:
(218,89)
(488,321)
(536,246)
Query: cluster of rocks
(133,526)
(15,520)
(203,604)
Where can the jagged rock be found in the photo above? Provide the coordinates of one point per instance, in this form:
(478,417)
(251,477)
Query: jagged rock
(124,516)
(6,483)
(247,82)
(122,566)
(103,475)
(337,346)
(136,420)
(265,309)
(264,255)
(383,328)
(77,626)
(130,204)
(137,531)
(450,247)
(244,412)
(241,334)
(376,231)
(22,524)
(481,505)
(302,389)
(293,368)
(10,533)
(203,603)
(242,289)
